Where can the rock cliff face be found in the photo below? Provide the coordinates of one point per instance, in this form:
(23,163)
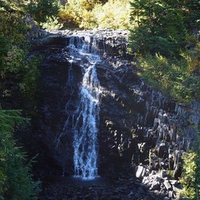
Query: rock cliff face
(140,130)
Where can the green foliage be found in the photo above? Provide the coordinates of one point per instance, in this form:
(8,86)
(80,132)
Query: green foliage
(22,72)
(15,179)
(161,26)
(113,14)
(96,14)
(190,178)
(52,24)
(158,27)
(14,61)
(15,65)
(164,35)
(12,27)
(42,10)
(174,77)
(78,12)
(191,11)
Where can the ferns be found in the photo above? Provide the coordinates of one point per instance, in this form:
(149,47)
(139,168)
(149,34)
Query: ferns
(15,178)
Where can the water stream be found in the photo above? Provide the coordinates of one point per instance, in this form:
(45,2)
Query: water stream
(85,127)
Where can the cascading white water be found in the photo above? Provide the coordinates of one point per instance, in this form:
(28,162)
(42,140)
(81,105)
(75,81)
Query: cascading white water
(87,114)
(85,135)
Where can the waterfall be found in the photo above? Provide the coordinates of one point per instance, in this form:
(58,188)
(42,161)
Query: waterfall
(85,127)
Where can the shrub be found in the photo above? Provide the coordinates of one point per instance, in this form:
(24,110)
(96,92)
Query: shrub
(190,178)
(93,14)
(42,10)
(113,14)
(21,71)
(12,26)
(174,77)
(52,23)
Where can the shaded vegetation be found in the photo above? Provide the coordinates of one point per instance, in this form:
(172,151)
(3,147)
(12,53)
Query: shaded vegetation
(16,181)
(18,75)
(43,10)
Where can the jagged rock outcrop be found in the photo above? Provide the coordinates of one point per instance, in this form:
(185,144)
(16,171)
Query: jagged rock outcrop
(140,133)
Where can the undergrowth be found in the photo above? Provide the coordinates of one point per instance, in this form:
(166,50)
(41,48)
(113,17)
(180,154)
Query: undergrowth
(178,78)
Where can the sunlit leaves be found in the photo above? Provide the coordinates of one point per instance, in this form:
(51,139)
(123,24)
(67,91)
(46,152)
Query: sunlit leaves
(190,174)
(113,14)
(171,76)
(93,14)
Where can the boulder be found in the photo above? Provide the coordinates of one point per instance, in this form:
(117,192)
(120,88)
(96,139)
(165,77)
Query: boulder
(140,172)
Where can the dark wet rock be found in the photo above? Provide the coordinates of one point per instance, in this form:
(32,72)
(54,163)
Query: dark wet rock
(161,150)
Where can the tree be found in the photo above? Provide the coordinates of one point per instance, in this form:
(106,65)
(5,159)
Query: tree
(14,66)
(89,14)
(41,10)
(158,27)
